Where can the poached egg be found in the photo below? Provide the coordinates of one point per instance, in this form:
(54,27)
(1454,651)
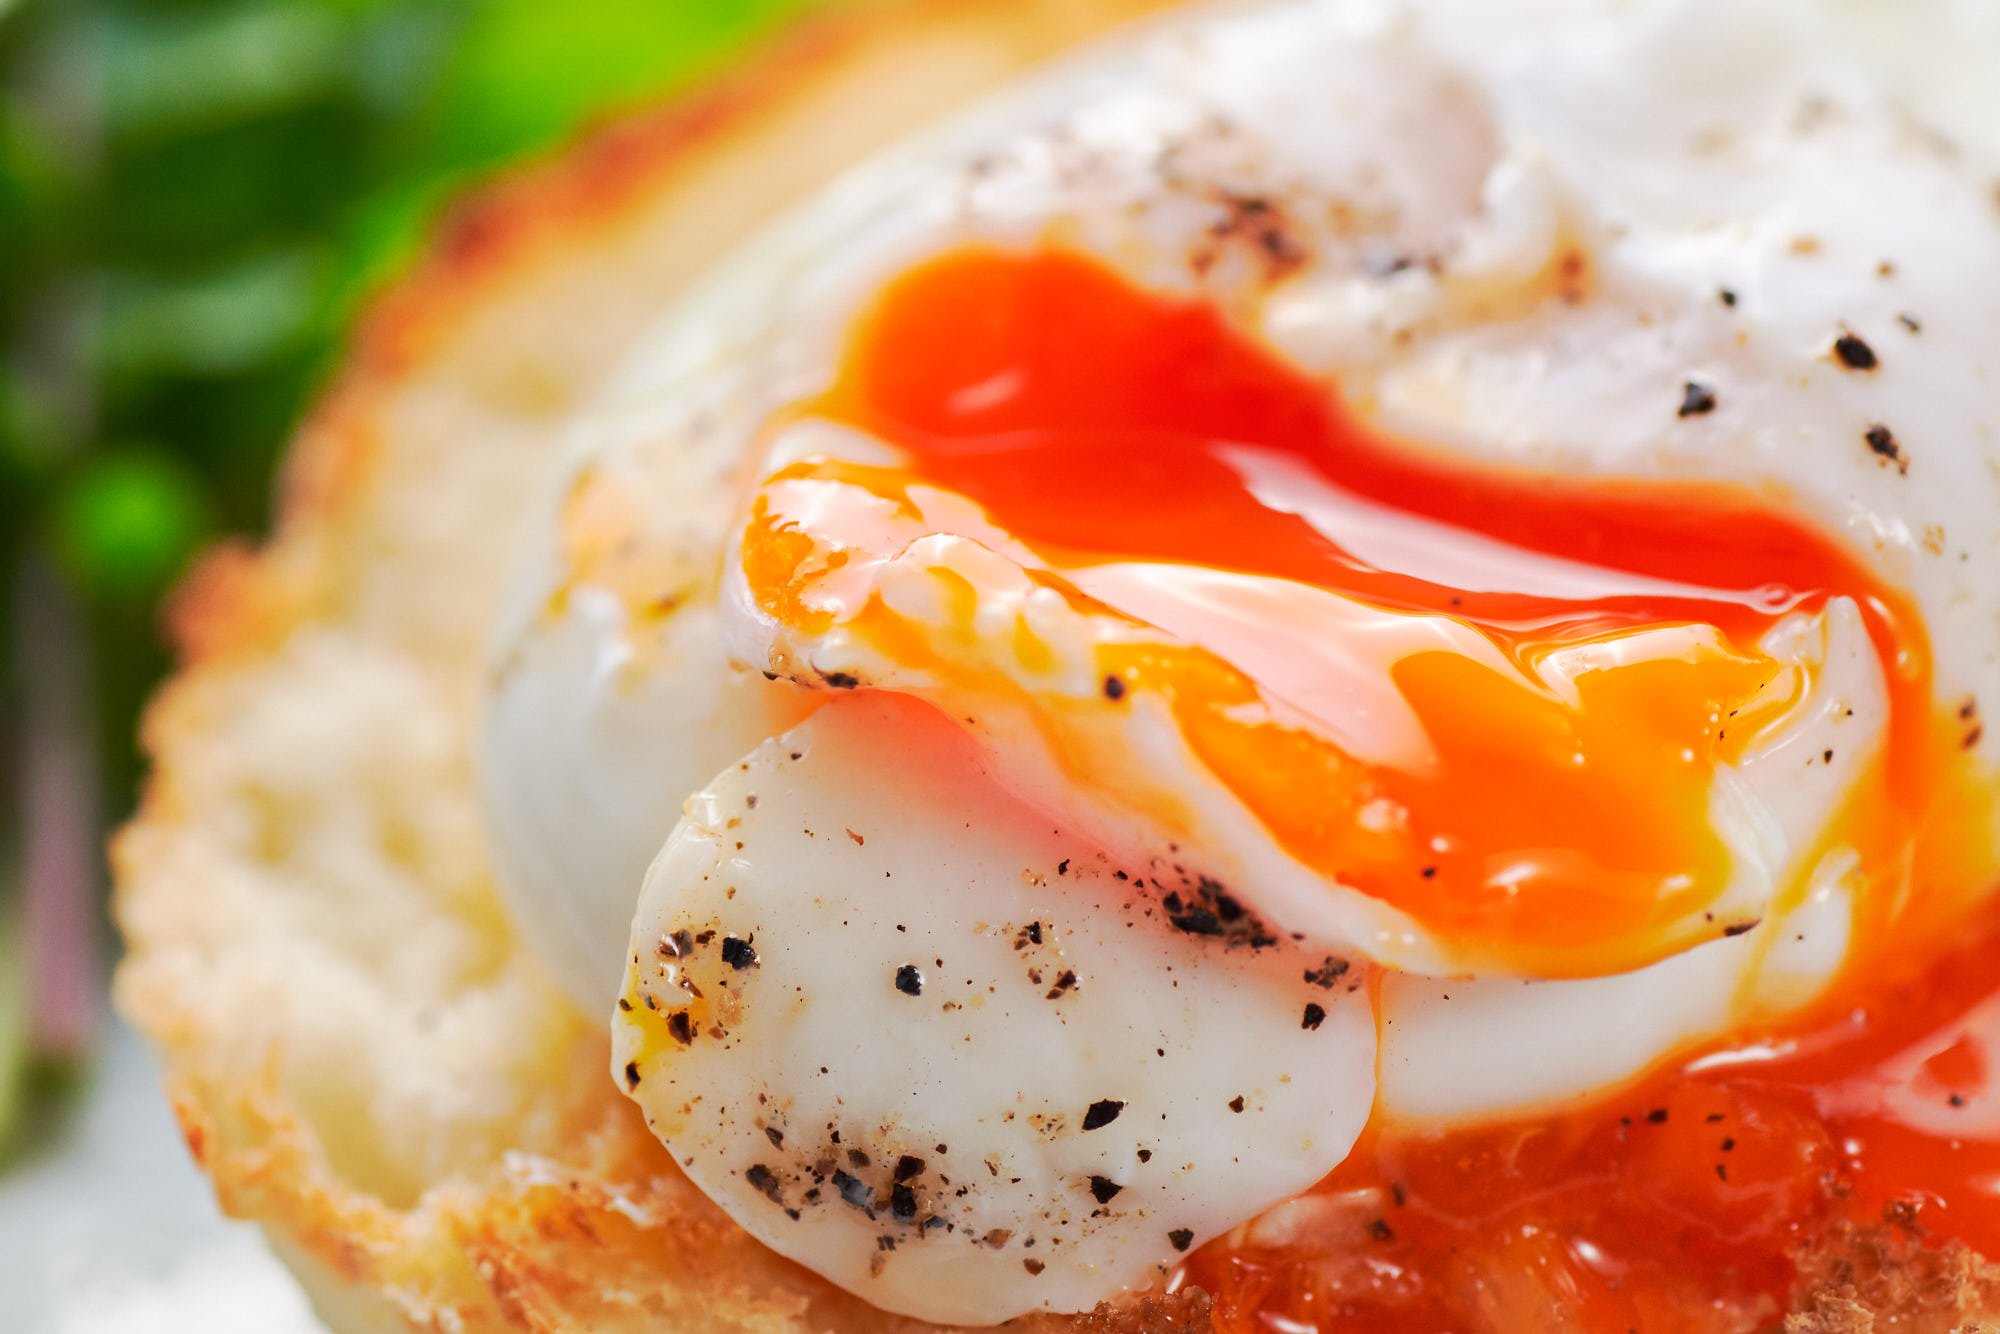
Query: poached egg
(1409,503)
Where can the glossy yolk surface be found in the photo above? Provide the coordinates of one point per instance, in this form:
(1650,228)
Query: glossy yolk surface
(1574,656)
(1100,424)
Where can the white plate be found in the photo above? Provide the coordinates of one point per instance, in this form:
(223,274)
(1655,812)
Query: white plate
(113,1231)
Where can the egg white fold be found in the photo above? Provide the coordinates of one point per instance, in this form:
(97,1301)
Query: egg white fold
(913,1035)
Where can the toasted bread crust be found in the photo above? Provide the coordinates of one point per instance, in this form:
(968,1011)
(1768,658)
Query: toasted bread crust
(400,1206)
(1857,1280)
(360,1053)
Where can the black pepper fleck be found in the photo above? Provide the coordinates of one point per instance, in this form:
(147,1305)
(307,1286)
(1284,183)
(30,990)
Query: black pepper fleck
(1114,688)
(1854,353)
(1697,400)
(909,1167)
(1181,1238)
(902,1202)
(738,954)
(763,1180)
(842,680)
(1103,1189)
(1209,909)
(1658,1116)
(855,1191)
(1196,921)
(1033,1266)
(1236,1103)
(1883,441)
(681,1024)
(1329,972)
(1315,1015)
(909,980)
(631,1074)
(1102,1113)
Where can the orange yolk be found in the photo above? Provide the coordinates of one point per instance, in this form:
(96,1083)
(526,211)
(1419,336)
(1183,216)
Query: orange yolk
(1101,425)
(1552,816)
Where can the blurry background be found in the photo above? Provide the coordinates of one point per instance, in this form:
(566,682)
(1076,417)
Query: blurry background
(194,196)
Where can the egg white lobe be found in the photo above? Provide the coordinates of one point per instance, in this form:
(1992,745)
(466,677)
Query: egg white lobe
(953,1058)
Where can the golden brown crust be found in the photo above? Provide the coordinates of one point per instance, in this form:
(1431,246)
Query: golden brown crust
(360,1054)
(1858,1280)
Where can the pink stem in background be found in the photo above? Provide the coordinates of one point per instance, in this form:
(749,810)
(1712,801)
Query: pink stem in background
(60,825)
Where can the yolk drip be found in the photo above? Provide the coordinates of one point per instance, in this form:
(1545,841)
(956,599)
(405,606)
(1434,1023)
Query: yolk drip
(1685,1203)
(1559,814)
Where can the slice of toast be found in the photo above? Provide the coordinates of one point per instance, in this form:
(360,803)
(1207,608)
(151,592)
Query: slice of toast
(364,1057)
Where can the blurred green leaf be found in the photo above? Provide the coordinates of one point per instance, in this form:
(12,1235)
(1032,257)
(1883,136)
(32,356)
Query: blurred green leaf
(38,183)
(528,71)
(522,76)
(190,72)
(382,235)
(398,54)
(32,438)
(126,522)
(216,324)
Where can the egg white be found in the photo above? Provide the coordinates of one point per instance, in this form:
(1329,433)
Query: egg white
(956,1059)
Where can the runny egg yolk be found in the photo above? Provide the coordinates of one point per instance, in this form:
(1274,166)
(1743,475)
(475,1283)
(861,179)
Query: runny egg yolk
(1573,657)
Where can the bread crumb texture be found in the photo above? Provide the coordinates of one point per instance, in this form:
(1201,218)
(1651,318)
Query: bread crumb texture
(361,1054)
(1865,1280)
